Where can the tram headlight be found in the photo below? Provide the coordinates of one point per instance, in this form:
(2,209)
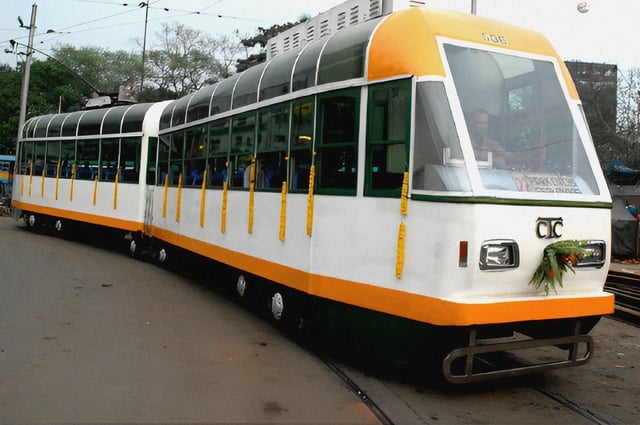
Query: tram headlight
(596,255)
(499,254)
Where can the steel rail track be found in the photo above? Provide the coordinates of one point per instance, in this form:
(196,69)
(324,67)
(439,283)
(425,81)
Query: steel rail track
(626,288)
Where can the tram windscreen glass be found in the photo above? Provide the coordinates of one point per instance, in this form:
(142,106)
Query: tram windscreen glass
(519,123)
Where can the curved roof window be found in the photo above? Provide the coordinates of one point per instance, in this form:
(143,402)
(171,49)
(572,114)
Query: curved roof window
(113,120)
(167,113)
(304,75)
(40,129)
(199,106)
(91,122)
(134,117)
(344,56)
(55,126)
(276,79)
(27,129)
(246,91)
(70,125)
(180,111)
(221,100)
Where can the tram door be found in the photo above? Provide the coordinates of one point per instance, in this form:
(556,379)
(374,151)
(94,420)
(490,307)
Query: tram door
(153,179)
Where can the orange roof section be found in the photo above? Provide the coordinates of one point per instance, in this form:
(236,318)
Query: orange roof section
(405,42)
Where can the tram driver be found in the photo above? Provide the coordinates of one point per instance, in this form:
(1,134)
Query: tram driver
(482,143)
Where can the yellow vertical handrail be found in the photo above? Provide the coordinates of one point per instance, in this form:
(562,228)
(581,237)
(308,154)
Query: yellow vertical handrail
(203,197)
(166,192)
(30,176)
(115,189)
(44,170)
(402,230)
(95,189)
(312,174)
(404,196)
(283,211)
(252,185)
(223,213)
(73,179)
(179,205)
(57,179)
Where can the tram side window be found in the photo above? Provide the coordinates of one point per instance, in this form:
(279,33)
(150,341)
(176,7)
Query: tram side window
(437,155)
(39,158)
(164,147)
(195,153)
(338,142)
(301,153)
(109,158)
(27,158)
(273,133)
(388,121)
(175,158)
(53,158)
(68,158)
(130,153)
(152,166)
(218,153)
(241,150)
(87,160)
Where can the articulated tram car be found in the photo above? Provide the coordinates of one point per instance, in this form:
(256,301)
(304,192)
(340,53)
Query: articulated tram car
(429,172)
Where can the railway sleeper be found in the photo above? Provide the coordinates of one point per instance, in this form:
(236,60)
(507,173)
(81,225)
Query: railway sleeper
(474,364)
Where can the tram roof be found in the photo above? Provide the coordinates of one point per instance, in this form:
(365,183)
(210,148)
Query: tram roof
(400,44)
(95,122)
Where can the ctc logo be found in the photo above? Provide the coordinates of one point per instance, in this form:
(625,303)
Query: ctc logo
(548,228)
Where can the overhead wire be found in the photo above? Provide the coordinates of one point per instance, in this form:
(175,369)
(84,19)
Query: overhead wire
(74,29)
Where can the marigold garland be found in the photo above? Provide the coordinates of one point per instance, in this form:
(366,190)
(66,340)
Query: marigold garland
(556,259)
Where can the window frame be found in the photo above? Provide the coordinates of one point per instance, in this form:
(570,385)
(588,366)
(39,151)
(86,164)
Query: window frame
(372,143)
(322,146)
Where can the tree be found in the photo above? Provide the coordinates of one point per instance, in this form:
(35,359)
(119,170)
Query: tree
(10,85)
(101,68)
(627,141)
(260,40)
(185,60)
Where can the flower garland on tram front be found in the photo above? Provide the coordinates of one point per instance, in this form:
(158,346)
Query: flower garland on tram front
(556,259)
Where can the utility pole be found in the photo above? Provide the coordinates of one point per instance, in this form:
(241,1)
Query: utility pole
(27,70)
(144,42)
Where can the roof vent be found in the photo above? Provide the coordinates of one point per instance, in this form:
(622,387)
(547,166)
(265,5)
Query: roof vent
(345,15)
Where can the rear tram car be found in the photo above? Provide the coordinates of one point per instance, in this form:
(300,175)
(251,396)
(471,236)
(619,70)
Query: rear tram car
(345,174)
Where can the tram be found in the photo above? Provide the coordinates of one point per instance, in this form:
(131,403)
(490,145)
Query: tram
(343,175)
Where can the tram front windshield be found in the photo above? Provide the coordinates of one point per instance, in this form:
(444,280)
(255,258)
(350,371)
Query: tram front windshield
(517,121)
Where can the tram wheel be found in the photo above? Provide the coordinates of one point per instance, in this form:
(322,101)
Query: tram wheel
(277,306)
(31,221)
(241,287)
(162,256)
(133,247)
(58,226)
(286,309)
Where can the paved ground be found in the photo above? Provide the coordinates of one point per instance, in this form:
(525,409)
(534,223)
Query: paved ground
(88,335)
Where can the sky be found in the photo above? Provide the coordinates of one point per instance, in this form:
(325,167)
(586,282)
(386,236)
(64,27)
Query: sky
(607,33)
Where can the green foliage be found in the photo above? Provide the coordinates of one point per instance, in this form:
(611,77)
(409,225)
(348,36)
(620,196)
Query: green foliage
(10,86)
(100,68)
(260,39)
(557,258)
